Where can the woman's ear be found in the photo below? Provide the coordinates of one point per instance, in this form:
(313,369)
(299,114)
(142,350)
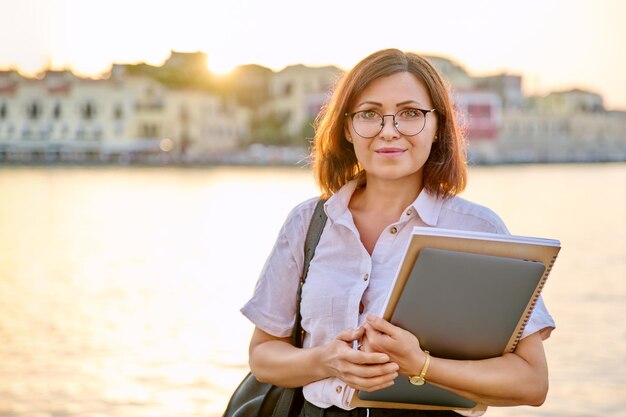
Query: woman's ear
(346,133)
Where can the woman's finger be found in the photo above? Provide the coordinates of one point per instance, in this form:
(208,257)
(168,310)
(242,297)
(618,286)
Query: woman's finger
(366,358)
(371,383)
(381,325)
(351,335)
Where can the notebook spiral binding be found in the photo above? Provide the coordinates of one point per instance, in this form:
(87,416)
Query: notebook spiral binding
(542,282)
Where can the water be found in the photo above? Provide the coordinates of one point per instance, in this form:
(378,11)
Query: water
(120,287)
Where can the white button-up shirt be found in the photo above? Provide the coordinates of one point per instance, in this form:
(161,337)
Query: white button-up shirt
(342,274)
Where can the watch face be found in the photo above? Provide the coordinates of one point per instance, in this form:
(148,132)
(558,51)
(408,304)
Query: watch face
(416,380)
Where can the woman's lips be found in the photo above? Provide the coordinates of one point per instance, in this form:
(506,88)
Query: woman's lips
(390,152)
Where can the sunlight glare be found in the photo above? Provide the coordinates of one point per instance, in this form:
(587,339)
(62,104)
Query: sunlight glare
(220,66)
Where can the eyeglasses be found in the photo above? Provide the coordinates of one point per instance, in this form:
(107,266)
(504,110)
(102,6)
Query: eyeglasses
(369,123)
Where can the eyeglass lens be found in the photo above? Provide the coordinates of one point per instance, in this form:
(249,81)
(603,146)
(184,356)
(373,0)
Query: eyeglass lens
(369,123)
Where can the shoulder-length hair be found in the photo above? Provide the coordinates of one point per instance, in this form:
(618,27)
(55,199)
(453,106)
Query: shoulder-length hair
(334,160)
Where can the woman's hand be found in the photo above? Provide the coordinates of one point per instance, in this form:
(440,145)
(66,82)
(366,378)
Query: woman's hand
(518,378)
(365,371)
(401,346)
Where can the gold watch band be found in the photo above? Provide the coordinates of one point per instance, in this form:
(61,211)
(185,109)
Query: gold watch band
(421,378)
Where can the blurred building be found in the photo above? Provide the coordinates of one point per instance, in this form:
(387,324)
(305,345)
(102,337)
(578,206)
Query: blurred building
(507,86)
(249,85)
(454,73)
(502,125)
(123,117)
(297,93)
(581,136)
(179,112)
(572,101)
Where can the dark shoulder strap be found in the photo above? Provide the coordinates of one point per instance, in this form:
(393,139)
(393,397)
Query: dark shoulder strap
(316,227)
(318,221)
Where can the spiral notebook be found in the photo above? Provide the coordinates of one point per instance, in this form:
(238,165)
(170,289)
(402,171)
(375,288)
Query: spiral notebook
(465,295)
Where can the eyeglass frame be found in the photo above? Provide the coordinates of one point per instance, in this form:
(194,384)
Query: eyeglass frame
(395,124)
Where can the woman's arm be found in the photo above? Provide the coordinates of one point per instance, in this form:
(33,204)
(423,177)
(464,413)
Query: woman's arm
(518,378)
(274,360)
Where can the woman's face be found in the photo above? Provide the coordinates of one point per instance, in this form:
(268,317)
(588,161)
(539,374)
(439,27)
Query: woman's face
(390,154)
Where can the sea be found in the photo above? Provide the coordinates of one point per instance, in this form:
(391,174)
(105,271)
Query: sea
(120,287)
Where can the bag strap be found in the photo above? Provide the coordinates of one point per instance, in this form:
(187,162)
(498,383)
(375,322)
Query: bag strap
(318,221)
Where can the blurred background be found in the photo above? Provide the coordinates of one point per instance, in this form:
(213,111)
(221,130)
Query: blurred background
(150,151)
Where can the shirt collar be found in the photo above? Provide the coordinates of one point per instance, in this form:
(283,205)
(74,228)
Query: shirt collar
(426,205)
(337,205)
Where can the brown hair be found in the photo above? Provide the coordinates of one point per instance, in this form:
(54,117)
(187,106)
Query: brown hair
(334,160)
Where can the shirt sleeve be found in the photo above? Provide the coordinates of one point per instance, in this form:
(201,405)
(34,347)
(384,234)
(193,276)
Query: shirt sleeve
(540,321)
(272,307)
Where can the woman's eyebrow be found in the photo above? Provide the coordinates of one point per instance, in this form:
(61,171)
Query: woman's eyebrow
(402,103)
(370,102)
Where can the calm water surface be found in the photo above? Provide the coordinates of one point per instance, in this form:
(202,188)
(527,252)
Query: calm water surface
(120,288)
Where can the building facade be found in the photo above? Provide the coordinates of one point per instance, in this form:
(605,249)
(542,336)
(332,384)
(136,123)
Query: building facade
(298,93)
(177,113)
(504,126)
(63,117)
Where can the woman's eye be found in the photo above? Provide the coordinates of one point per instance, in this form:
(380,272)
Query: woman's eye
(409,114)
(368,115)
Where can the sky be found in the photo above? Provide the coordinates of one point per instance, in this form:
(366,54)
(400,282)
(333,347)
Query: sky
(553,44)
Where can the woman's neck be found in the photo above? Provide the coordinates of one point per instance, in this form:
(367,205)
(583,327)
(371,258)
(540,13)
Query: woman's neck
(386,196)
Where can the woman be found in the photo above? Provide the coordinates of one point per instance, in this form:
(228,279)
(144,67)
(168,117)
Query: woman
(389,156)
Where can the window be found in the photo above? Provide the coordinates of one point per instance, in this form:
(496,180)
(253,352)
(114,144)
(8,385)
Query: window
(118,112)
(26,131)
(184,114)
(88,110)
(80,132)
(10,130)
(56,111)
(45,131)
(97,132)
(118,128)
(149,130)
(33,110)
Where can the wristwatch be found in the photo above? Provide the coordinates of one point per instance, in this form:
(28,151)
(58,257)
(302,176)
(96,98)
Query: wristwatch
(421,378)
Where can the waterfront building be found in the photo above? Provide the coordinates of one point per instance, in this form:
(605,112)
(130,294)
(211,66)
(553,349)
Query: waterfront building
(504,126)
(568,102)
(62,116)
(580,136)
(507,86)
(122,117)
(297,94)
(248,85)
(179,112)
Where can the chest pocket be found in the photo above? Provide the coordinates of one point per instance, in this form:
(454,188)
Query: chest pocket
(323,317)
(317,313)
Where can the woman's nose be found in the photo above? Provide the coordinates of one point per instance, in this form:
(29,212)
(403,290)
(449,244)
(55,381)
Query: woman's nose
(389,129)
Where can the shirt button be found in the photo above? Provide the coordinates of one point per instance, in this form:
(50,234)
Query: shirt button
(409,212)
(366,277)
(393,230)
(338,389)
